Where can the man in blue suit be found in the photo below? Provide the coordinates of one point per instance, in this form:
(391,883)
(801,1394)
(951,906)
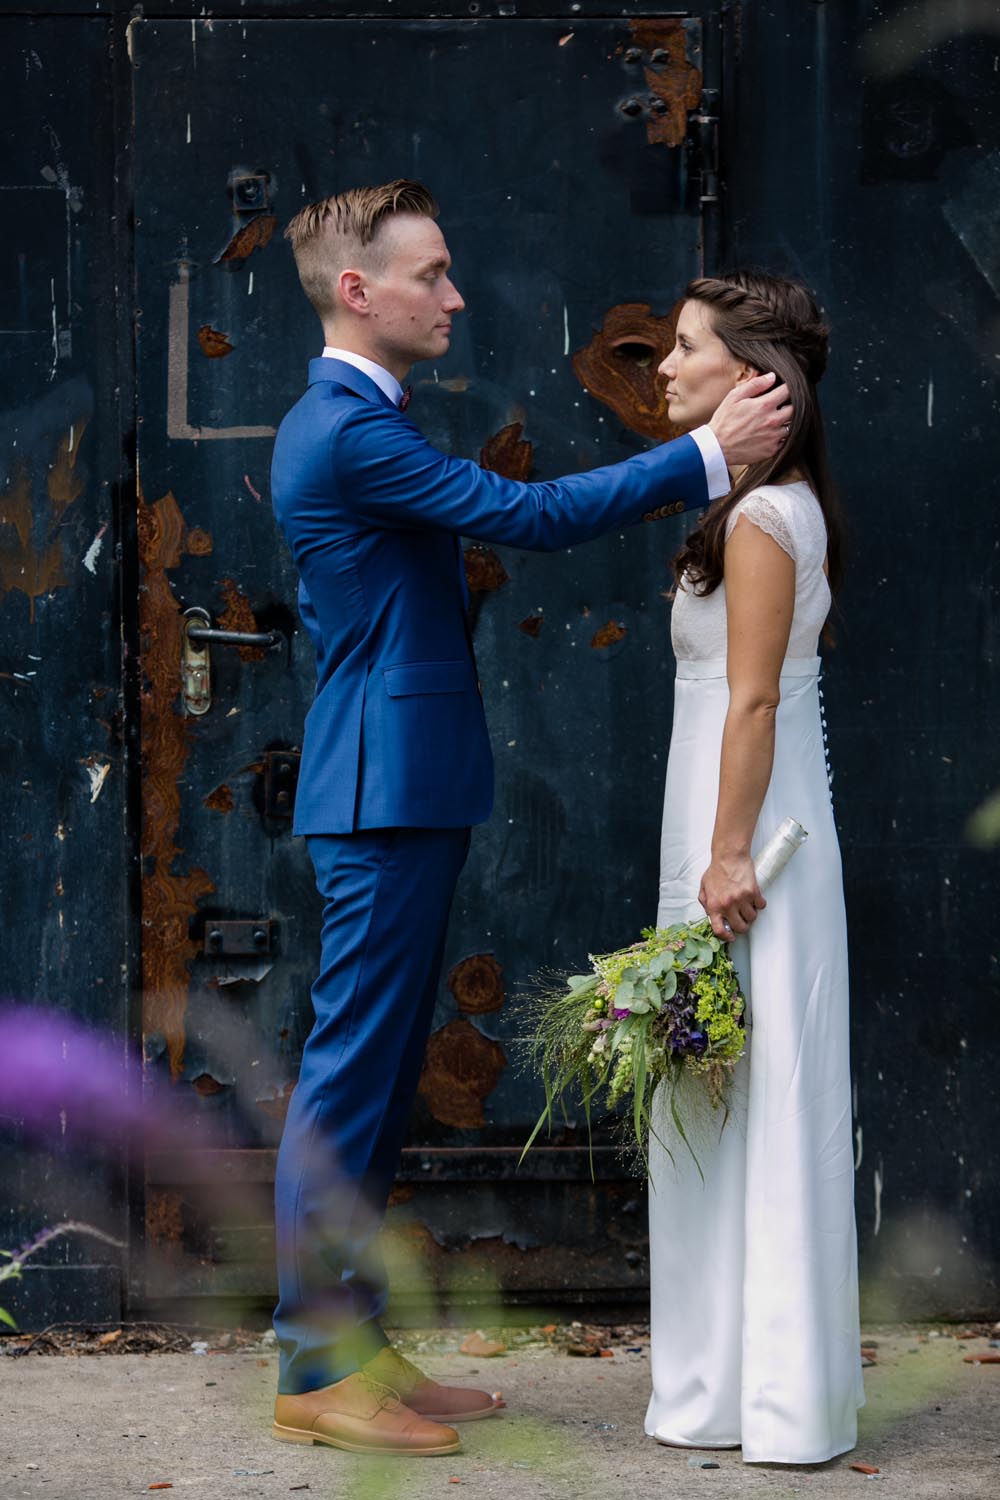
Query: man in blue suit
(396,765)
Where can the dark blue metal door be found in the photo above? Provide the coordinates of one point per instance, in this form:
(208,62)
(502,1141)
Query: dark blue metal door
(560,152)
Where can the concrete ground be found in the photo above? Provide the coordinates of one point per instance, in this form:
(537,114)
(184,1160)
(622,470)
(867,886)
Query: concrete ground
(122,1425)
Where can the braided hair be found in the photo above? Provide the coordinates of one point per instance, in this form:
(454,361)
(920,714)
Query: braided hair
(769,323)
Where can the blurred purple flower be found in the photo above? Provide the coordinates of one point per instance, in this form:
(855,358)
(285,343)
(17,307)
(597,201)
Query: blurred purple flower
(59,1078)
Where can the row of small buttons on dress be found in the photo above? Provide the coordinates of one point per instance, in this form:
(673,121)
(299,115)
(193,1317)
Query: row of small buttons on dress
(664,510)
(826,742)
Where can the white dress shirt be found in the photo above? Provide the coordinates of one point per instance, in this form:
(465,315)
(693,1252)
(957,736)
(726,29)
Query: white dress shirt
(387,384)
(716,473)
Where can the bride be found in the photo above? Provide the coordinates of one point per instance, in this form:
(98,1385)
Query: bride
(753,1266)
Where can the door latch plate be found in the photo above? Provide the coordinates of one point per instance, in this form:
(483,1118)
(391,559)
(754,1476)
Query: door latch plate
(281,774)
(251,939)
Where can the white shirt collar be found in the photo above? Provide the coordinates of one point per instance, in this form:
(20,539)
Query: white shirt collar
(387,384)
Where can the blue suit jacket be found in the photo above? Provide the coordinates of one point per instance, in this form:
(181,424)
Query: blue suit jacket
(396,736)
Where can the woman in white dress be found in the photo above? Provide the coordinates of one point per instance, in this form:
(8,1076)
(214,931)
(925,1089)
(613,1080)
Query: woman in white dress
(753,1266)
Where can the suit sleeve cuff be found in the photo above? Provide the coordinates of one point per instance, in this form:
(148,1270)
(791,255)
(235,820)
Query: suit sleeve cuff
(716,473)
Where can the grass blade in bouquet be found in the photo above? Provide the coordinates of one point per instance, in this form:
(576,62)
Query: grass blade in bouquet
(647,1014)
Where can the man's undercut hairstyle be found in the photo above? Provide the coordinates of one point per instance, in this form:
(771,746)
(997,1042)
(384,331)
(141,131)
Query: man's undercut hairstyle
(345,231)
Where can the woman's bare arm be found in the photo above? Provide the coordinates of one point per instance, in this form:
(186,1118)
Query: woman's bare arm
(760,600)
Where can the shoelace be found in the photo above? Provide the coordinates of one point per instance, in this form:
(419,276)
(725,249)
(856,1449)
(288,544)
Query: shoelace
(384,1394)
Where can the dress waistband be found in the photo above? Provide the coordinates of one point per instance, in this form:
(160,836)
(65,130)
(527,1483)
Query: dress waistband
(792,666)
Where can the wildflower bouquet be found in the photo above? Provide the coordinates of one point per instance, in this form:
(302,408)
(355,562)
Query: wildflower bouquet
(647,1014)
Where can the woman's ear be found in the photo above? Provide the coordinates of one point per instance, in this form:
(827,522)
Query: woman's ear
(744,373)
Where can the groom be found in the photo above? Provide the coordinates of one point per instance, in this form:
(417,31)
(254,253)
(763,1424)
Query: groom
(396,765)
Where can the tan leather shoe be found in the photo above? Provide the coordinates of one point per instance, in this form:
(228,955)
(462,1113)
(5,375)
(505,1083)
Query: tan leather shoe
(363,1416)
(444,1403)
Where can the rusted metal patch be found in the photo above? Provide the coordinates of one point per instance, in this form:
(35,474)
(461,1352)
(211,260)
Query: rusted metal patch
(206,1085)
(461,1069)
(37,567)
(164,1217)
(477,984)
(673,81)
(220,799)
(507,453)
(619,367)
(532,625)
(238,615)
(214,345)
(484,572)
(251,236)
(608,635)
(169,899)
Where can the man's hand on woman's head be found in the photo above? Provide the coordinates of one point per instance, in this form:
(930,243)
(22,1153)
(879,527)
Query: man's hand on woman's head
(752,422)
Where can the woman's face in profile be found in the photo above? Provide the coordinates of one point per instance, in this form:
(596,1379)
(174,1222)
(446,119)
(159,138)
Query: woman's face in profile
(699,370)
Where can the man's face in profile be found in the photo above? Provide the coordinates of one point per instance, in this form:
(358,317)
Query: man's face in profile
(412,297)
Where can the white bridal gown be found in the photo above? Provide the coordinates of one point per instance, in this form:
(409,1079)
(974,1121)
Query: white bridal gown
(755,1337)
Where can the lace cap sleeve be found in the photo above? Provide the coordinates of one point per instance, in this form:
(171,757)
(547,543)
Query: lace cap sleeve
(768,515)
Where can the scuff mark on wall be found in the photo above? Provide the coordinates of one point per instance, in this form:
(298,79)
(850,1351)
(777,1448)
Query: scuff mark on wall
(619,367)
(169,899)
(462,1067)
(31,539)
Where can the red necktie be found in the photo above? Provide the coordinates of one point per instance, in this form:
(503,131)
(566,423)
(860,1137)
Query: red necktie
(406,397)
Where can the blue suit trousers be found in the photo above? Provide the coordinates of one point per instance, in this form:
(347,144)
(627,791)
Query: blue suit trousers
(387,894)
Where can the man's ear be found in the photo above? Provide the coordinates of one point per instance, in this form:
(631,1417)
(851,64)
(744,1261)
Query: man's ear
(353,292)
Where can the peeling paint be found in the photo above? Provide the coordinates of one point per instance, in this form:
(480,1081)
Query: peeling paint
(221,799)
(93,551)
(213,344)
(477,984)
(462,1067)
(97,774)
(619,367)
(507,453)
(169,899)
(255,234)
(608,635)
(31,536)
(484,572)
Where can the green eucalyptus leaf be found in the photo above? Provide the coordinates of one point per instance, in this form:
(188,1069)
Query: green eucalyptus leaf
(668,985)
(623,994)
(578,981)
(639,1006)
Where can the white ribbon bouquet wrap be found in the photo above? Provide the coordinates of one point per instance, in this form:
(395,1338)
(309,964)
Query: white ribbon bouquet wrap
(647,1014)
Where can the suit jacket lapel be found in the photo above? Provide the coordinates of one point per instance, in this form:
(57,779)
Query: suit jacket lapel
(349,376)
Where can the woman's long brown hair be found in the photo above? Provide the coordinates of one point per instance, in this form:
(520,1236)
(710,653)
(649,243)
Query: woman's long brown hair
(769,323)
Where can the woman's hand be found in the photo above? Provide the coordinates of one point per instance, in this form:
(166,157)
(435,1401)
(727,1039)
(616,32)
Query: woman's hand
(730,895)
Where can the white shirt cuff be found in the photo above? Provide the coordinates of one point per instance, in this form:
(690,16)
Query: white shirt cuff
(716,473)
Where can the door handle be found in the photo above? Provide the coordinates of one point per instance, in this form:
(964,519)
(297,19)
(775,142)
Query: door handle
(197,636)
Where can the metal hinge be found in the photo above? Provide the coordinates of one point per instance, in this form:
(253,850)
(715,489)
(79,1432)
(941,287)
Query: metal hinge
(706,143)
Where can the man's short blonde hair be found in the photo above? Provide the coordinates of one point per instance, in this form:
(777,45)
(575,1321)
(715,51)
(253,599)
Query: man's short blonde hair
(344,231)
